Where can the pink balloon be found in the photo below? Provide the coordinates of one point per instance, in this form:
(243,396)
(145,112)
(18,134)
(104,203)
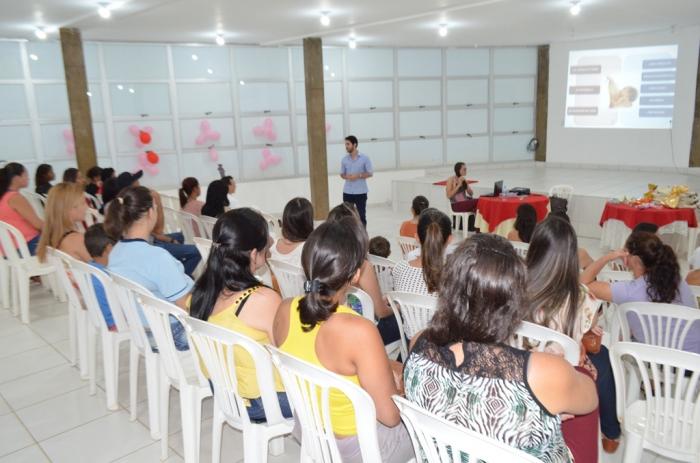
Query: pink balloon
(205,126)
(213,154)
(69,141)
(267,122)
(269,159)
(152,169)
(134,129)
(143,159)
(258,131)
(328,127)
(148,129)
(200,140)
(214,135)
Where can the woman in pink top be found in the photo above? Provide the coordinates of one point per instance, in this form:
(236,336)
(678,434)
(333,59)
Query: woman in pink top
(14,208)
(188,193)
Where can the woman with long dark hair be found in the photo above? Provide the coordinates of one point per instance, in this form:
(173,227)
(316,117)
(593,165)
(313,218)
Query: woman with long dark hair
(460,194)
(217,199)
(188,193)
(525,221)
(43,178)
(14,208)
(462,364)
(297,225)
(228,294)
(319,329)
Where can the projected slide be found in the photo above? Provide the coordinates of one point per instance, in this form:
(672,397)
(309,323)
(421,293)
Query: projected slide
(621,88)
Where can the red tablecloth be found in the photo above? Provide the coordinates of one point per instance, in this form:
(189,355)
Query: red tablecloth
(496,210)
(660,216)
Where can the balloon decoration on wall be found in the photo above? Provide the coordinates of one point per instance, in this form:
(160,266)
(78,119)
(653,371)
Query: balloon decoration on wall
(266,130)
(207,135)
(148,159)
(69,140)
(269,159)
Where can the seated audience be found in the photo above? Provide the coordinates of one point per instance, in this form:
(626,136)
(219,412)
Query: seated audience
(297,225)
(646,227)
(108,173)
(422,274)
(65,207)
(558,301)
(460,194)
(317,328)
(130,220)
(228,294)
(231,184)
(461,364)
(94,181)
(217,199)
(99,246)
(584,259)
(380,247)
(73,175)
(410,227)
(15,209)
(525,221)
(43,178)
(656,279)
(188,194)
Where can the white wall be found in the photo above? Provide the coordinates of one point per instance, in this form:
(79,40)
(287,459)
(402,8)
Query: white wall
(625,147)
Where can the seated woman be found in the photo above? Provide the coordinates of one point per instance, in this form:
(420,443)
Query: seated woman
(14,208)
(422,275)
(584,259)
(297,225)
(460,194)
(228,294)
(73,175)
(65,207)
(525,221)
(94,181)
(217,199)
(188,194)
(410,227)
(231,185)
(558,301)
(130,220)
(462,364)
(319,329)
(43,178)
(657,278)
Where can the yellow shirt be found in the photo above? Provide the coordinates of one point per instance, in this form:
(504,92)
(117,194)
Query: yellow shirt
(302,345)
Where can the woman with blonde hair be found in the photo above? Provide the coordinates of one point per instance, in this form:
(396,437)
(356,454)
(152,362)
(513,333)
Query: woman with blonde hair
(64,207)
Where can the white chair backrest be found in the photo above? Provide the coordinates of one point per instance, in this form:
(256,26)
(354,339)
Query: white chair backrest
(203,246)
(384,269)
(365,301)
(95,202)
(413,313)
(208,224)
(308,388)
(37,201)
(273,226)
(440,441)
(671,382)
(407,244)
(216,346)
(86,276)
(532,332)
(92,216)
(521,248)
(191,226)
(663,325)
(170,201)
(172,220)
(127,291)
(289,278)
(64,264)
(13,244)
(562,191)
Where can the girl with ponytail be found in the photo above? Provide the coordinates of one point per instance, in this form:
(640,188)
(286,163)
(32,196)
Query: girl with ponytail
(318,328)
(188,194)
(423,274)
(14,208)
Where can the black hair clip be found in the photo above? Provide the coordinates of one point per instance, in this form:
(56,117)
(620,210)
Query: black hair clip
(312,286)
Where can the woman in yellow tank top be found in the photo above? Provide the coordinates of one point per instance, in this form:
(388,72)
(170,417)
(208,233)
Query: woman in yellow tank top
(228,294)
(316,328)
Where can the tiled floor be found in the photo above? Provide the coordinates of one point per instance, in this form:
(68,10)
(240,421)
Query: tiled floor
(48,415)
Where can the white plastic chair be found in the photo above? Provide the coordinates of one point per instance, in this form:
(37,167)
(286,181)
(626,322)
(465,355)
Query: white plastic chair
(460,218)
(384,269)
(204,247)
(38,202)
(520,248)
(289,278)
(308,388)
(171,220)
(23,266)
(208,224)
(667,421)
(170,201)
(527,331)
(94,201)
(663,325)
(92,216)
(413,313)
(407,245)
(366,302)
(215,346)
(191,226)
(178,370)
(609,320)
(126,291)
(440,441)
(562,191)
(86,275)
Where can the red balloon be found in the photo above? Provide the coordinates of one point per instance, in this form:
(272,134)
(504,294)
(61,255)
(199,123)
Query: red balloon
(152,157)
(145,137)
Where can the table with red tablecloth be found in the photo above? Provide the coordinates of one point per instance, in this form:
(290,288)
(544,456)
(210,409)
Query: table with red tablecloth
(497,214)
(618,220)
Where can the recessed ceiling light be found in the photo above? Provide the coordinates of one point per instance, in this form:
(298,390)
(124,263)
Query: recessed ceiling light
(89,94)
(210,71)
(575,9)
(120,87)
(194,57)
(242,82)
(220,41)
(326,67)
(131,90)
(325,19)
(104,11)
(33,57)
(442,31)
(332,74)
(40,33)
(352,43)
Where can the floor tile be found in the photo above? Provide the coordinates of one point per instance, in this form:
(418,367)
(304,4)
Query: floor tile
(40,386)
(103,440)
(10,326)
(4,408)
(67,411)
(52,329)
(29,362)
(63,347)
(20,341)
(13,436)
(31,454)
(148,455)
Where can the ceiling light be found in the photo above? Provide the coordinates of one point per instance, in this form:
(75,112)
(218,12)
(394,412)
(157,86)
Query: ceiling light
(131,90)
(352,43)
(220,41)
(40,33)
(104,11)
(33,57)
(325,19)
(326,67)
(442,31)
(575,8)
(242,82)
(120,87)
(195,57)
(210,71)
(88,94)
(332,74)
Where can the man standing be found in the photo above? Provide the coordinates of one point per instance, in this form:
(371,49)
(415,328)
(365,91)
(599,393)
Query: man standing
(355,168)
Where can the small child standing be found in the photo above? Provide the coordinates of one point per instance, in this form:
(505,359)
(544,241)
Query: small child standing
(99,245)
(379,246)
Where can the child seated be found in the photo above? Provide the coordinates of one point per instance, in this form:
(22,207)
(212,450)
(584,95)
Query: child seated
(99,245)
(379,246)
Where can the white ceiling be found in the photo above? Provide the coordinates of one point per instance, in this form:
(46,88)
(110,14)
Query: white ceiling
(373,22)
